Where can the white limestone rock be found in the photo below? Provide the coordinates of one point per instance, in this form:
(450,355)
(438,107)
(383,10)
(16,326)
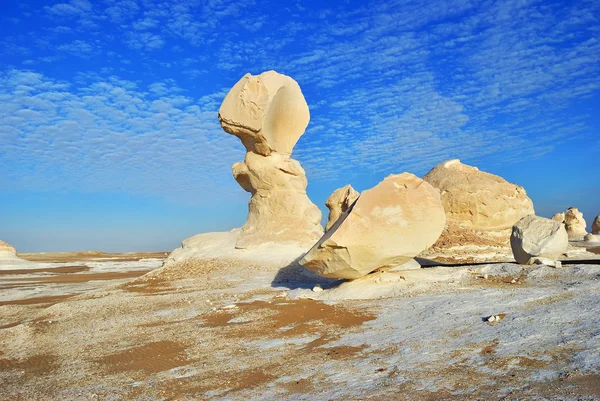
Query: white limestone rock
(388,225)
(575,224)
(268,113)
(535,236)
(480,210)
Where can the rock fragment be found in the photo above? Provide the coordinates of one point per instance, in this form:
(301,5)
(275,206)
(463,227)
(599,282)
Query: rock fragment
(339,202)
(559,217)
(535,236)
(388,225)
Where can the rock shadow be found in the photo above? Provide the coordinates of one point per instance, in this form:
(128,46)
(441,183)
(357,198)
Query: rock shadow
(295,276)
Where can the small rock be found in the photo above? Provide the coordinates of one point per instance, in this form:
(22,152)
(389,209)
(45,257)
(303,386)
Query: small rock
(230,306)
(496,318)
(317,288)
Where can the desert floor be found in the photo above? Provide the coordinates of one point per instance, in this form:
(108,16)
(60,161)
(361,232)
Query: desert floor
(94,326)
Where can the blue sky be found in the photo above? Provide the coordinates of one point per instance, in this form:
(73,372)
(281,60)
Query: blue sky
(108,109)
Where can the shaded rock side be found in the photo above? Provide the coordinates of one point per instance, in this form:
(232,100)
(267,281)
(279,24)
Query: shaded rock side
(387,226)
(535,236)
(596,225)
(339,202)
(269,114)
(575,224)
(481,209)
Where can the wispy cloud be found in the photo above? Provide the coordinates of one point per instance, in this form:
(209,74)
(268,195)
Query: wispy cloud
(108,135)
(392,86)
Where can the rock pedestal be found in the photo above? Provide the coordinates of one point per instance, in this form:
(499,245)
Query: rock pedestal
(269,114)
(388,225)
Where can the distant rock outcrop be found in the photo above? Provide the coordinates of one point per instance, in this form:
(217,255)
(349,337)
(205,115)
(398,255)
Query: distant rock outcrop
(9,258)
(535,236)
(339,202)
(575,224)
(481,209)
(596,225)
(269,114)
(591,238)
(388,225)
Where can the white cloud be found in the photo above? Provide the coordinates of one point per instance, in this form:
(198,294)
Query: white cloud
(106,136)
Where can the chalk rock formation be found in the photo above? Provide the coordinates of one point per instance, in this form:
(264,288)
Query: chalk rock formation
(9,258)
(596,225)
(388,225)
(339,202)
(535,236)
(481,209)
(575,224)
(559,217)
(591,238)
(7,250)
(269,114)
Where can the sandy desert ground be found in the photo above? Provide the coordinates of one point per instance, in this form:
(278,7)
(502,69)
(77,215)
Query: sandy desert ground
(97,327)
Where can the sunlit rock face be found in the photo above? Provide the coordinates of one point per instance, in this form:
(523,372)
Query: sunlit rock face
(339,202)
(387,226)
(535,236)
(481,209)
(268,113)
(575,224)
(7,250)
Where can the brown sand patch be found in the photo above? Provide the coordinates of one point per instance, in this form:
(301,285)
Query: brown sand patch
(151,358)
(80,278)
(148,286)
(223,382)
(35,365)
(288,318)
(595,249)
(45,301)
(301,386)
(9,325)
(63,269)
(65,257)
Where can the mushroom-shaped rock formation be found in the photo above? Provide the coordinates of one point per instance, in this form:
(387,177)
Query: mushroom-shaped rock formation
(339,202)
(269,114)
(535,236)
(481,209)
(575,224)
(596,225)
(387,226)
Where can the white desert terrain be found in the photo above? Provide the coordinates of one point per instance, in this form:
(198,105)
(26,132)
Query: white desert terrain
(78,327)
